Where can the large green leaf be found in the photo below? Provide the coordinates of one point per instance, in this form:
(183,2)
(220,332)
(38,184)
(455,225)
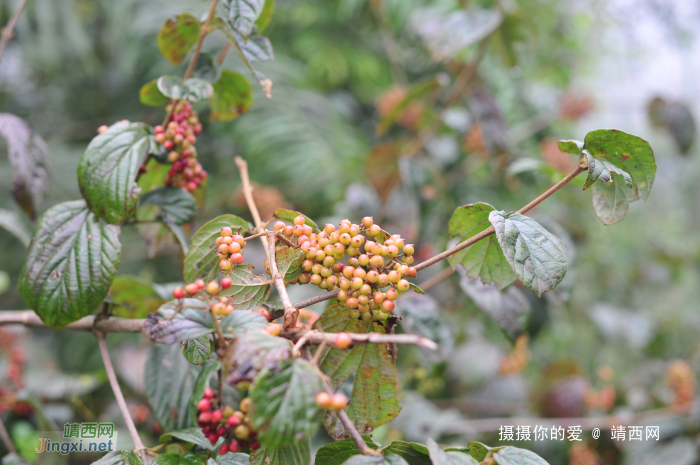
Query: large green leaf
(120,457)
(252,352)
(265,15)
(484,259)
(296,454)
(516,456)
(248,291)
(238,322)
(177,36)
(209,367)
(413,453)
(243,13)
(536,255)
(337,452)
(108,168)
(599,168)
(193,89)
(612,201)
(289,262)
(134,297)
(178,321)
(628,152)
(200,260)
(151,96)
(233,95)
(373,401)
(71,263)
(177,205)
(190,435)
(284,403)
(198,350)
(230,458)
(441,457)
(169,380)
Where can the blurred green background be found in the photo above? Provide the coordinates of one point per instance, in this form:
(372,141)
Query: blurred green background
(552,69)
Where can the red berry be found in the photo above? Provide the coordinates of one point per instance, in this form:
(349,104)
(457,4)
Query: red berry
(223,449)
(237,258)
(226,283)
(179,293)
(213,438)
(192,288)
(343,340)
(392,294)
(200,283)
(388,305)
(255,445)
(203,405)
(204,417)
(233,446)
(233,421)
(168,144)
(216,416)
(208,392)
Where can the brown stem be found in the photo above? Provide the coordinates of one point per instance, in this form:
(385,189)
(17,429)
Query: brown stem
(286,241)
(318,338)
(88,323)
(217,327)
(290,311)
(490,230)
(248,194)
(6,438)
(119,396)
(223,53)
(437,279)
(317,298)
(255,236)
(7,30)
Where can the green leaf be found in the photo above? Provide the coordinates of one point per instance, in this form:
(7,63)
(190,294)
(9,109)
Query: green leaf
(209,367)
(253,351)
(289,262)
(70,265)
(233,96)
(627,152)
(440,457)
(599,168)
(169,326)
(176,204)
(413,453)
(169,380)
(387,459)
(417,91)
(248,291)
(205,68)
(198,350)
(478,450)
(151,96)
(108,168)
(256,48)
(179,234)
(509,308)
(296,454)
(265,15)
(416,289)
(373,401)
(284,403)
(571,146)
(337,452)
(485,259)
(289,215)
(230,458)
(516,456)
(240,321)
(120,457)
(536,255)
(422,315)
(612,201)
(193,89)
(177,36)
(14,224)
(200,260)
(134,297)
(243,14)
(190,435)
(14,458)
(168,459)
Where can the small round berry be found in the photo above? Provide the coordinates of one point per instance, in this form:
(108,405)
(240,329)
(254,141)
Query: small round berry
(338,402)
(388,305)
(343,340)
(240,239)
(372,276)
(225,266)
(233,446)
(179,293)
(363,260)
(203,405)
(204,417)
(391,294)
(223,249)
(233,421)
(338,267)
(233,247)
(299,220)
(245,403)
(226,283)
(412,272)
(408,260)
(241,432)
(254,444)
(344,284)
(328,261)
(383,280)
(316,279)
(223,449)
(237,258)
(316,268)
(377,260)
(289,231)
(213,287)
(374,231)
(378,297)
(367,221)
(304,278)
(279,226)
(342,295)
(102,129)
(345,239)
(403,285)
(273,329)
(264,312)
(365,289)
(216,416)
(324,400)
(359,273)
(192,288)
(226,231)
(329,228)
(408,249)
(219,308)
(356,283)
(394,276)
(200,283)
(352,302)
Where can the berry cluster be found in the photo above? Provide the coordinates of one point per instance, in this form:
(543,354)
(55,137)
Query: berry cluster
(385,263)
(178,138)
(225,422)
(230,249)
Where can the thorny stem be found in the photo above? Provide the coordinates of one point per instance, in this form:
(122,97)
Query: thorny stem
(490,230)
(7,31)
(203,32)
(119,396)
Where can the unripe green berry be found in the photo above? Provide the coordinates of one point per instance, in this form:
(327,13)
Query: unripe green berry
(326,272)
(353,251)
(408,260)
(316,279)
(381,316)
(367,316)
(355,314)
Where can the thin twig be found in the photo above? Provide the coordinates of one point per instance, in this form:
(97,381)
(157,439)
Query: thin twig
(119,396)
(490,230)
(223,53)
(8,30)
(217,327)
(300,343)
(437,279)
(255,236)
(6,438)
(317,298)
(290,311)
(318,338)
(88,323)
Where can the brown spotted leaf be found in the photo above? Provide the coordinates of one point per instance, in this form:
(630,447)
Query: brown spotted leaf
(177,36)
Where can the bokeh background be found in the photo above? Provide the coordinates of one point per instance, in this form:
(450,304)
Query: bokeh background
(619,335)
